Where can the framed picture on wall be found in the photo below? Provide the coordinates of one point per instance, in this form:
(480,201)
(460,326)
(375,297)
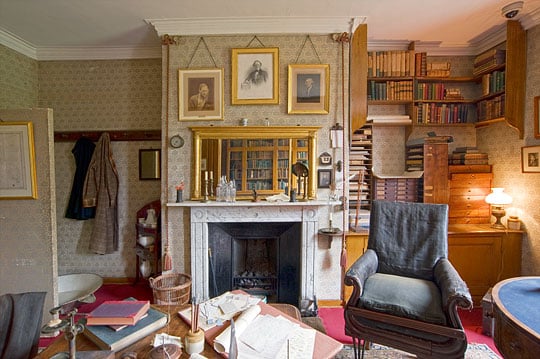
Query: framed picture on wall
(308,89)
(17,155)
(200,94)
(324,178)
(537,117)
(255,76)
(530,159)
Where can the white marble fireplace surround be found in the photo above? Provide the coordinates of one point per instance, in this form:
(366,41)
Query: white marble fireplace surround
(254,212)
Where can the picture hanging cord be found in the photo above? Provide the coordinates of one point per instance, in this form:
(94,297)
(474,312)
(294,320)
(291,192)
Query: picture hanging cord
(201,39)
(255,38)
(312,46)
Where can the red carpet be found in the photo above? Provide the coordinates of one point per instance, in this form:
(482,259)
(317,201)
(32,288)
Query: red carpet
(334,324)
(332,318)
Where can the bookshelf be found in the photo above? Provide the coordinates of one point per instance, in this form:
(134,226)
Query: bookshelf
(493,92)
(360,165)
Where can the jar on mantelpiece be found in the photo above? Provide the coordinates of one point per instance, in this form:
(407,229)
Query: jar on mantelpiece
(514,223)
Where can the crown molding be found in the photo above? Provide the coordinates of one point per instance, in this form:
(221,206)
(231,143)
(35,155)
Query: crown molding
(17,44)
(97,53)
(256,25)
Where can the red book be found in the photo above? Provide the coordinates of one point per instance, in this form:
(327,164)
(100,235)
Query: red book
(118,312)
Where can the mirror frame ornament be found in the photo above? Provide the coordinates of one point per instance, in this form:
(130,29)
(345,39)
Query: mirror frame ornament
(201,133)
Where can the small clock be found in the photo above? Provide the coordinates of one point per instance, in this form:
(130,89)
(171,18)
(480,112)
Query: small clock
(176,141)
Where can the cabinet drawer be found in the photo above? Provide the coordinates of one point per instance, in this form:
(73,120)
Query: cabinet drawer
(480,183)
(465,202)
(470,191)
(468,220)
(472,212)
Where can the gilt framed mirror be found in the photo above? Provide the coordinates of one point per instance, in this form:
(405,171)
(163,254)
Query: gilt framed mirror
(257,159)
(149,164)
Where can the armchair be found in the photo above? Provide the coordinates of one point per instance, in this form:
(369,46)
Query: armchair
(405,290)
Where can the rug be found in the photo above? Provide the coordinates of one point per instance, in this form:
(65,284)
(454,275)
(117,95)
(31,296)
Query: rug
(474,351)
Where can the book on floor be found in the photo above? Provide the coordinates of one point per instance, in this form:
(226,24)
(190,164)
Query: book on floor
(118,312)
(107,338)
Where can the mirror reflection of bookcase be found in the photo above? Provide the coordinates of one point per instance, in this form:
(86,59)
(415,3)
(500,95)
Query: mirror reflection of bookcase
(257,158)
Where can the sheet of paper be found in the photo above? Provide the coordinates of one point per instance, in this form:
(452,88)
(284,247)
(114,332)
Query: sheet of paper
(223,341)
(300,345)
(265,337)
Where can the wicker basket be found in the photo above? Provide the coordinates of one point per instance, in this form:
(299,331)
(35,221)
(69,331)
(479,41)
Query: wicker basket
(173,288)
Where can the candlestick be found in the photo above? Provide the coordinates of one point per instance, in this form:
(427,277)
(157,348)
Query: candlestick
(206,175)
(211,175)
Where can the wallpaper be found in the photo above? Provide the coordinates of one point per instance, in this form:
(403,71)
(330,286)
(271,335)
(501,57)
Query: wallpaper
(102,95)
(18,80)
(189,53)
(504,147)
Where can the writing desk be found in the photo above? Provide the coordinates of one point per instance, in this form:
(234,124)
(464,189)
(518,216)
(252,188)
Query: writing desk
(325,347)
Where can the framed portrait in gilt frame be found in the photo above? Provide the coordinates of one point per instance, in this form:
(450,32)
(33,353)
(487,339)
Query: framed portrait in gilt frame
(200,94)
(255,76)
(18,159)
(537,117)
(308,89)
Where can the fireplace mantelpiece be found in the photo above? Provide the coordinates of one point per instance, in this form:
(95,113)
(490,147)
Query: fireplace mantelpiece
(242,211)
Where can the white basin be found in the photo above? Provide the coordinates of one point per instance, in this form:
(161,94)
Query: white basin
(72,287)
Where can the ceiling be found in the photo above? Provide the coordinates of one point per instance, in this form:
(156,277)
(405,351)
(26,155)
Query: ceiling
(76,29)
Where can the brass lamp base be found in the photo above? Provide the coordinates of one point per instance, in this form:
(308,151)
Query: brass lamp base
(498,213)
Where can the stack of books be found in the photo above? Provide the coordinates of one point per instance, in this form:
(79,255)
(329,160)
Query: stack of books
(488,61)
(468,156)
(114,325)
(438,69)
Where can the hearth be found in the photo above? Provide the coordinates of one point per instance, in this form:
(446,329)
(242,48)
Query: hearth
(204,215)
(259,258)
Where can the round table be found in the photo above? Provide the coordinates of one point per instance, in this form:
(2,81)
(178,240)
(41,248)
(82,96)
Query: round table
(517,317)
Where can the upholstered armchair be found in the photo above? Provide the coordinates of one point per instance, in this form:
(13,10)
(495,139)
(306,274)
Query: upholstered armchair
(405,290)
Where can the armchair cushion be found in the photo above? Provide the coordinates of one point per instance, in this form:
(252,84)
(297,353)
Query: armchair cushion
(406,297)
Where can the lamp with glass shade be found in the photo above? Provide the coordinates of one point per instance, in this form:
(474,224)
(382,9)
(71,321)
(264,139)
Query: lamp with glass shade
(498,199)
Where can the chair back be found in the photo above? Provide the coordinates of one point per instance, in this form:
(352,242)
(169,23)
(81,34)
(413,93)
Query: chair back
(409,238)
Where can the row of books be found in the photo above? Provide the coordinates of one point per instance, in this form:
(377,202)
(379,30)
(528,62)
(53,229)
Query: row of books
(441,113)
(390,90)
(437,91)
(493,82)
(492,108)
(396,63)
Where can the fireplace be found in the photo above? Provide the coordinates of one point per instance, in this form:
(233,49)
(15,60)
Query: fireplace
(203,216)
(258,258)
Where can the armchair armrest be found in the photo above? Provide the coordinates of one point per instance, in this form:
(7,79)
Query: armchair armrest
(454,290)
(357,274)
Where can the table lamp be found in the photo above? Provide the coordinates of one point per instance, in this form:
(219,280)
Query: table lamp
(497,199)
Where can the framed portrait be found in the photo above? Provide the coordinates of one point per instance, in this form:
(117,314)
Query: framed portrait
(530,159)
(255,76)
(17,156)
(308,89)
(537,117)
(324,178)
(200,94)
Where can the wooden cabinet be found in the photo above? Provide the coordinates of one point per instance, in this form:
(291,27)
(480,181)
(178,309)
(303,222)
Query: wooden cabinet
(148,241)
(483,255)
(435,172)
(468,192)
(356,245)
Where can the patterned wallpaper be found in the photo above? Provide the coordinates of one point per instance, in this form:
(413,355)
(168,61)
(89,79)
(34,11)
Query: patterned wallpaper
(125,94)
(504,148)
(18,80)
(186,54)
(102,95)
